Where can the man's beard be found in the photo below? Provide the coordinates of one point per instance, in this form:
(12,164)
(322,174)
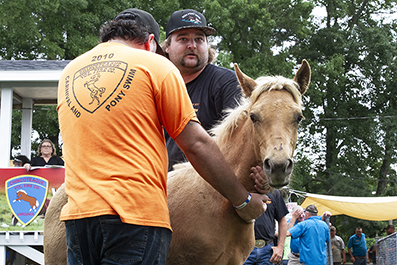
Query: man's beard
(188,67)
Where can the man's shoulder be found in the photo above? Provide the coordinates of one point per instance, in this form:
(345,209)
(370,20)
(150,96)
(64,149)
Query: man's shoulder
(352,237)
(338,238)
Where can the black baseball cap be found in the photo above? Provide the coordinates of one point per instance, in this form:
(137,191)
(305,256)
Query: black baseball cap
(311,208)
(144,18)
(185,19)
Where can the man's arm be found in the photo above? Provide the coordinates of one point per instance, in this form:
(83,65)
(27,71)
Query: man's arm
(295,216)
(206,157)
(343,256)
(351,255)
(282,232)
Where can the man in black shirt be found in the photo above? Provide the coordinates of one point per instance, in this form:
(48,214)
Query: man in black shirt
(212,89)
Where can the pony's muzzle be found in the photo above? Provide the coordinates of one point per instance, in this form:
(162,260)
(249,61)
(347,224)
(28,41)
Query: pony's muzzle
(278,171)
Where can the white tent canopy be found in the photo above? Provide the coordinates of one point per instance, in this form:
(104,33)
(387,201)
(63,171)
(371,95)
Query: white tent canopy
(366,208)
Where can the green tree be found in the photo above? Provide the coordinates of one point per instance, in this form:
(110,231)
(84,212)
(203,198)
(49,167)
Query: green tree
(350,126)
(61,29)
(249,32)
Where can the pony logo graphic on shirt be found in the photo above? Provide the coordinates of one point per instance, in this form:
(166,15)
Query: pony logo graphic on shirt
(26,195)
(97,81)
(96,92)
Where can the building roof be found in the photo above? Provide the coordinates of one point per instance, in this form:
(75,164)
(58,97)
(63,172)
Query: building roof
(33,79)
(29,65)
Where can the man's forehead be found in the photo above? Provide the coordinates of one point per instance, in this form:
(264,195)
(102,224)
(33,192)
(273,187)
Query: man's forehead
(185,32)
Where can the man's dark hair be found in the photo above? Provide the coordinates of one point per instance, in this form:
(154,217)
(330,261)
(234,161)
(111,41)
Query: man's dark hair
(22,159)
(389,227)
(126,29)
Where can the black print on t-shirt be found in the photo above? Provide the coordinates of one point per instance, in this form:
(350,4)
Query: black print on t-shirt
(89,87)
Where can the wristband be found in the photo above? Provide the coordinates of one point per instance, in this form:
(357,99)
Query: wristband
(241,206)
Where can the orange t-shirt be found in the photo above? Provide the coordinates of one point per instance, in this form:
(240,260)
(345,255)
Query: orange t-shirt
(113,103)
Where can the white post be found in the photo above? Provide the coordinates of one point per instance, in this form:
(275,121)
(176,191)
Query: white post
(26,128)
(5,126)
(3,255)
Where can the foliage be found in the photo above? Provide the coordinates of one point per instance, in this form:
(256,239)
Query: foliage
(250,31)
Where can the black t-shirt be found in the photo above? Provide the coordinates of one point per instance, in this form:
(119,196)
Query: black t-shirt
(265,224)
(213,91)
(40,162)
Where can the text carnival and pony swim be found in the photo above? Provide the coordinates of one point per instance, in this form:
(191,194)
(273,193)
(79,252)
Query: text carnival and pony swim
(95,93)
(26,195)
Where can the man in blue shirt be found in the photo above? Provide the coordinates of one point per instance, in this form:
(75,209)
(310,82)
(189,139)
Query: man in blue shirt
(314,235)
(359,245)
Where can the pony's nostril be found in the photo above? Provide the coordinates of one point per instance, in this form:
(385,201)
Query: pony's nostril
(267,165)
(289,166)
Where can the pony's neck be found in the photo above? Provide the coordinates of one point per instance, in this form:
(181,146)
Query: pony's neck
(241,156)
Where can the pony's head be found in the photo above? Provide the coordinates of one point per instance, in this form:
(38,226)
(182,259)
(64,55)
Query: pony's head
(263,130)
(21,192)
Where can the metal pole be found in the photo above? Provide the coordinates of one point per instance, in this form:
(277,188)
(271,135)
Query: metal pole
(330,260)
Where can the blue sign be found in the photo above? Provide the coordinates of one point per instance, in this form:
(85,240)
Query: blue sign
(26,195)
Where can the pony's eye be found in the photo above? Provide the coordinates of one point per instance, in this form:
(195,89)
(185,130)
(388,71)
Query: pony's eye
(254,117)
(300,118)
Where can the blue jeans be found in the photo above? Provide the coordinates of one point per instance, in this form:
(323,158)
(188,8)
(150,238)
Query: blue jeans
(260,256)
(108,241)
(360,261)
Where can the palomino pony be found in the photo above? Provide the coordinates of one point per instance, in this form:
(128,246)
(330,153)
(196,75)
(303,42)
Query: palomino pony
(206,229)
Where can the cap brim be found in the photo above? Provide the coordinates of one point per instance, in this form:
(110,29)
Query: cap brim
(207,30)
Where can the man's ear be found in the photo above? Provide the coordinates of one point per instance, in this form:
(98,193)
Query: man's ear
(150,40)
(147,45)
(165,46)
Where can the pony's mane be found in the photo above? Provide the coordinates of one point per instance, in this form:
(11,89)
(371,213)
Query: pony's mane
(225,128)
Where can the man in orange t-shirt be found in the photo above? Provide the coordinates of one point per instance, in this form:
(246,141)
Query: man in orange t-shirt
(114,102)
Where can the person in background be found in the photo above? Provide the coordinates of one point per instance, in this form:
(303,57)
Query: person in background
(212,89)
(371,252)
(314,236)
(46,155)
(357,242)
(20,160)
(268,248)
(338,247)
(390,230)
(114,147)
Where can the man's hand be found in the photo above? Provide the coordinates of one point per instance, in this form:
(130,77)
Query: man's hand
(255,208)
(297,213)
(259,177)
(277,254)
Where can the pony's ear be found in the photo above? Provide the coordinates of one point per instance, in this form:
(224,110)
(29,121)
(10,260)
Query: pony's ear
(302,77)
(247,83)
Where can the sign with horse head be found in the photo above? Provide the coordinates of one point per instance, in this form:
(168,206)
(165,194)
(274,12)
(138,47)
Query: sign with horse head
(26,195)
